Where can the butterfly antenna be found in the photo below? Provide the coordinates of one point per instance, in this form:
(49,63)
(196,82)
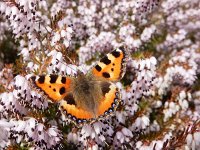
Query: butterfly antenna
(70,60)
(106,143)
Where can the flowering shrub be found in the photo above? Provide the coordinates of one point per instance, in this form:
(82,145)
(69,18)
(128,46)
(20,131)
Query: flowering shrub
(160,90)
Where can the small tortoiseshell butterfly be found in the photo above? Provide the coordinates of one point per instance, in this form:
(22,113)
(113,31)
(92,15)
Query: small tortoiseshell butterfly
(86,98)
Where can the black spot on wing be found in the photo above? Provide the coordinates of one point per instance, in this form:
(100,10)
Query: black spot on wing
(41,79)
(105,60)
(70,99)
(63,80)
(53,78)
(33,78)
(115,53)
(62,90)
(122,48)
(54,90)
(112,69)
(98,68)
(106,75)
(105,87)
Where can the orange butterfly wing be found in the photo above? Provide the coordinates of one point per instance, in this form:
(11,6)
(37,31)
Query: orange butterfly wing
(110,100)
(112,66)
(80,116)
(54,86)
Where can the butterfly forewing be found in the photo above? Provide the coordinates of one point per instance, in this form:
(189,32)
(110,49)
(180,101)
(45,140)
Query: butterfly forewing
(112,66)
(54,86)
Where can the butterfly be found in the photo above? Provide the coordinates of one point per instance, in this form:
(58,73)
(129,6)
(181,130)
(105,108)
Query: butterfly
(91,96)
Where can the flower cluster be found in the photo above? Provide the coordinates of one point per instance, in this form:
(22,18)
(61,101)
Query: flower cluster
(159,104)
(31,131)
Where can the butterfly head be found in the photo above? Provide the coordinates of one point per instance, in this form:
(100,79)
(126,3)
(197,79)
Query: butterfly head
(80,73)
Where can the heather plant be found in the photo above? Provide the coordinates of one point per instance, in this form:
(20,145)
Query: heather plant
(160,92)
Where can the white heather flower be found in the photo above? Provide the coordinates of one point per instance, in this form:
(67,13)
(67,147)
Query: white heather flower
(25,53)
(69,30)
(155,144)
(9,104)
(170,109)
(126,30)
(193,140)
(145,75)
(24,95)
(140,123)
(72,138)
(58,66)
(30,65)
(128,133)
(130,100)
(63,33)
(183,101)
(189,139)
(147,33)
(153,60)
(120,116)
(21,16)
(91,135)
(178,74)
(4,129)
(55,38)
(122,137)
(66,43)
(104,42)
(197,139)
(38,101)
(35,133)
(133,43)
(155,126)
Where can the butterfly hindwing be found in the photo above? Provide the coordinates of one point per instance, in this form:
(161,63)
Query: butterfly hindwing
(54,86)
(108,105)
(72,110)
(112,66)
(111,98)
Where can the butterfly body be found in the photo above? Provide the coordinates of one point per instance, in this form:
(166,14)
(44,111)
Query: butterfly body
(87,92)
(87,97)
